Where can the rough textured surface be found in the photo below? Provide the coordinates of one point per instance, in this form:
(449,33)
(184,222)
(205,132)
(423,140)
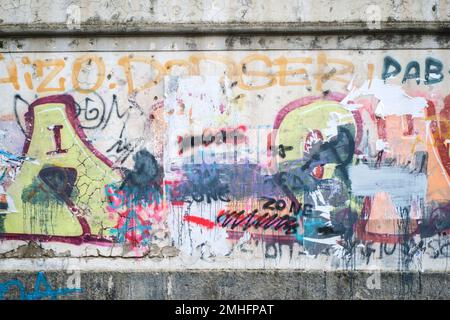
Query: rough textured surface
(28,17)
(226,284)
(47,48)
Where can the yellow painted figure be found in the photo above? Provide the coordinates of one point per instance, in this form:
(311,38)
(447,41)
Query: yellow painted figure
(62,192)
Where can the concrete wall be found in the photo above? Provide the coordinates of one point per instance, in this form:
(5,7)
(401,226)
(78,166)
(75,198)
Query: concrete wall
(199,16)
(159,137)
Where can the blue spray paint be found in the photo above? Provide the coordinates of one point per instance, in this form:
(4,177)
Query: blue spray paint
(38,292)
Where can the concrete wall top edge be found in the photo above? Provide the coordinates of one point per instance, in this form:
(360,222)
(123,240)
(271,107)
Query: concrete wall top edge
(236,16)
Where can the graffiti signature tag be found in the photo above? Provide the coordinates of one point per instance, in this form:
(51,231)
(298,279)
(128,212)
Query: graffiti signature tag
(42,289)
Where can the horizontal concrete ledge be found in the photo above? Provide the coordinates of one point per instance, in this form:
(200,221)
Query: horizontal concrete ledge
(172,43)
(229,28)
(228,284)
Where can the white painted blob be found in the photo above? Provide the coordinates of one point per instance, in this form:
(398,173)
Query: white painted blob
(393,100)
(381,145)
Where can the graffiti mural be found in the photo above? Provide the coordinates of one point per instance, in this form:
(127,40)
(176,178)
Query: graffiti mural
(298,158)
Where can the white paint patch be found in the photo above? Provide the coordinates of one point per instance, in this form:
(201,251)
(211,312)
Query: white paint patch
(331,240)
(401,185)
(192,104)
(193,239)
(203,94)
(10,245)
(246,237)
(320,204)
(169,287)
(380,145)
(11,207)
(392,99)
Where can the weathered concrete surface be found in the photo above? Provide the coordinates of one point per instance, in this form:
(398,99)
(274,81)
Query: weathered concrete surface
(48,26)
(250,284)
(232,42)
(28,17)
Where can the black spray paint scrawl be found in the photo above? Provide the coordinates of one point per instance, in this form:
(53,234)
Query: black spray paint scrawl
(144,178)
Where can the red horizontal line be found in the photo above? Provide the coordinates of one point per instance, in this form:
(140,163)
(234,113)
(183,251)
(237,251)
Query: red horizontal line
(200,221)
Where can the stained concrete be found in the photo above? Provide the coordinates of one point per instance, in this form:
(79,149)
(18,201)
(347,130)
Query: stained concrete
(243,284)
(48,26)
